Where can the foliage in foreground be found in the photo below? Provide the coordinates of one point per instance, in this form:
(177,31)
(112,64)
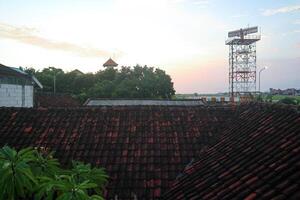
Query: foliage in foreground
(28,174)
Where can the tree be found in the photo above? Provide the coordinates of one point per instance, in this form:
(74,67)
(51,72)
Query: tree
(289,100)
(127,82)
(102,89)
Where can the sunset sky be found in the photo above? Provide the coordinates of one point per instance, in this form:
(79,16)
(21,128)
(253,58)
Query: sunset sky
(186,38)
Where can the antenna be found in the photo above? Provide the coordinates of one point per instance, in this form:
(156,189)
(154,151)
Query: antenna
(242,61)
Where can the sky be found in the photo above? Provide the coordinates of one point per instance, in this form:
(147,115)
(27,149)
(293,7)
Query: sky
(186,38)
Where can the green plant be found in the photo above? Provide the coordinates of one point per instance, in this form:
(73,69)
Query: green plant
(289,100)
(76,183)
(259,98)
(28,174)
(269,98)
(83,172)
(126,82)
(17,179)
(65,187)
(45,165)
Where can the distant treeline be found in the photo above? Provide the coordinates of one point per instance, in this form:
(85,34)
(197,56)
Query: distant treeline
(127,82)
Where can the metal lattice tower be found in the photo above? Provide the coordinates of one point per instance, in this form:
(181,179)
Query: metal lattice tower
(242,61)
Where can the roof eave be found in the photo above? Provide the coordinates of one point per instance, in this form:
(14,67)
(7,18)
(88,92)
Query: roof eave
(37,81)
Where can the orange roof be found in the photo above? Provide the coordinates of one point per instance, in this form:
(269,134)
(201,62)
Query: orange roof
(110,63)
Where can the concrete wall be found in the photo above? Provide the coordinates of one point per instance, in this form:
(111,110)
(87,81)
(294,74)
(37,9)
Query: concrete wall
(16,95)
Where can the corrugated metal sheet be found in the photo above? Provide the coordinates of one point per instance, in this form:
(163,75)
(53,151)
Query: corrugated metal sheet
(138,102)
(6,71)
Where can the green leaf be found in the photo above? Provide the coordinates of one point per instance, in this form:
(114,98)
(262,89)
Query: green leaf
(27,173)
(96,197)
(8,153)
(65,196)
(19,187)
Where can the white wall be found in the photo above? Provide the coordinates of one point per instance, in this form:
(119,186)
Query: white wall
(16,95)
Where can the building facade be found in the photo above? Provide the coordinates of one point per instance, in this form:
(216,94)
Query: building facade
(289,91)
(16,87)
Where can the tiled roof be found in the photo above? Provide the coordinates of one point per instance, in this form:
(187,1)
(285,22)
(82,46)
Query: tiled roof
(143,102)
(143,148)
(258,157)
(244,152)
(55,100)
(110,63)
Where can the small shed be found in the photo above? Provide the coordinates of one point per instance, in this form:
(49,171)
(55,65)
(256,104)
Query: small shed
(16,87)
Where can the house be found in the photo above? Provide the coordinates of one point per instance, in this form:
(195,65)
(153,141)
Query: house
(275,91)
(110,63)
(246,151)
(16,87)
(77,72)
(289,92)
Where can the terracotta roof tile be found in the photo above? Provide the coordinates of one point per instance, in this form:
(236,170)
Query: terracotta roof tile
(259,151)
(55,100)
(143,148)
(178,152)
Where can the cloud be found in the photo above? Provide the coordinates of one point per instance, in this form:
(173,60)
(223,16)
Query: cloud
(28,36)
(297,22)
(285,9)
(239,16)
(202,3)
(178,1)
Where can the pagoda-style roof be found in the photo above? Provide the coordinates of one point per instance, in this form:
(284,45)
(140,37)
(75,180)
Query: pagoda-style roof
(110,63)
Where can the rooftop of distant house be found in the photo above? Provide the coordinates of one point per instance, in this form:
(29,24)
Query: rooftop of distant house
(110,63)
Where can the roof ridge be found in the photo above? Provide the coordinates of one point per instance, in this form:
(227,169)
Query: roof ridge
(277,106)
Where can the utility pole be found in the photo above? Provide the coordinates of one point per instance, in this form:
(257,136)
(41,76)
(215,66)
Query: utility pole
(259,77)
(54,83)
